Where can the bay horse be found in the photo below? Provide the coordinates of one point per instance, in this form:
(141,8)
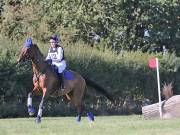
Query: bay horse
(46,81)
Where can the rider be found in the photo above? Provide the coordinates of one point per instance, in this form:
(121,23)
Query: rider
(56,56)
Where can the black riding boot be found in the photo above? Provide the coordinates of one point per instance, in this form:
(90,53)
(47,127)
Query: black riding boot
(61,80)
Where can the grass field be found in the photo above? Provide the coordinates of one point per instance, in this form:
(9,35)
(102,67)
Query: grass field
(107,125)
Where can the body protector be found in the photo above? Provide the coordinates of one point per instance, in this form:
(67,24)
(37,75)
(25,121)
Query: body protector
(57,57)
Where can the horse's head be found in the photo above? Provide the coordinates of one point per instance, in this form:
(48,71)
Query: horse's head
(26,51)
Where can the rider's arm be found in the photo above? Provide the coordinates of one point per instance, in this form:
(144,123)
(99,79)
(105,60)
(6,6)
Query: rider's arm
(59,54)
(48,56)
(48,59)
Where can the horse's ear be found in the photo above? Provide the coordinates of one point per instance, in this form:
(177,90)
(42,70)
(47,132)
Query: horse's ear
(28,42)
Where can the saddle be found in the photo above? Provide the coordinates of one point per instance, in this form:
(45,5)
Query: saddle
(65,75)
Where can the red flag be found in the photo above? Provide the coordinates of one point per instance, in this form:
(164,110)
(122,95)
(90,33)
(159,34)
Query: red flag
(152,63)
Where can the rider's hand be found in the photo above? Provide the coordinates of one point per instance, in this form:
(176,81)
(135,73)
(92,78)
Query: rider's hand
(49,61)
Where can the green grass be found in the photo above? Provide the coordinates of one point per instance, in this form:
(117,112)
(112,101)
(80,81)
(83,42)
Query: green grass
(112,125)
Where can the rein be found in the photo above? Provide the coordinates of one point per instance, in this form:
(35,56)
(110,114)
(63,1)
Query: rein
(39,65)
(36,78)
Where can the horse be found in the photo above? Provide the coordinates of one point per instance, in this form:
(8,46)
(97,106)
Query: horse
(45,80)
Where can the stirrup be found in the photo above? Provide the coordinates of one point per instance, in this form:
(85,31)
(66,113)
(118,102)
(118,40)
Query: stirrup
(62,88)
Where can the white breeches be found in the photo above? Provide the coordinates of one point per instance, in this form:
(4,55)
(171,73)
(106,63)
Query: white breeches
(61,66)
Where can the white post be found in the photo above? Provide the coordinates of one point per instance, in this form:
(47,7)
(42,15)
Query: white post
(159,91)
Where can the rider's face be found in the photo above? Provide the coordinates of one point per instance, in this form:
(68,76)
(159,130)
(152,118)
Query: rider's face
(53,43)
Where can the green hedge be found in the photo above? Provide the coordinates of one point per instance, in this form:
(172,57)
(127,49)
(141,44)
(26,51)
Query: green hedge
(125,75)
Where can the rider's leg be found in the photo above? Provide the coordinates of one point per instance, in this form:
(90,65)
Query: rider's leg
(61,80)
(61,68)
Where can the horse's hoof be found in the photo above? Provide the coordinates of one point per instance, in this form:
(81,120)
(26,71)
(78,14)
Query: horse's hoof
(78,118)
(90,116)
(31,110)
(38,119)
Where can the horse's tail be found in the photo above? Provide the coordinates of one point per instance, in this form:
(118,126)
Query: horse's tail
(99,89)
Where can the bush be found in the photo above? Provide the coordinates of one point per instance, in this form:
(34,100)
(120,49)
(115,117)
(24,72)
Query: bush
(125,75)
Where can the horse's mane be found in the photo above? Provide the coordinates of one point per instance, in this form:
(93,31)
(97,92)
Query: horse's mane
(39,54)
(41,58)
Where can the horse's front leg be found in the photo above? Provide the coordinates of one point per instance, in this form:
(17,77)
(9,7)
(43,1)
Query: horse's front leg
(41,106)
(31,109)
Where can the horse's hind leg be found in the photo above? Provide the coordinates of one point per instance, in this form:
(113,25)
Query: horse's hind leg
(78,102)
(80,108)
